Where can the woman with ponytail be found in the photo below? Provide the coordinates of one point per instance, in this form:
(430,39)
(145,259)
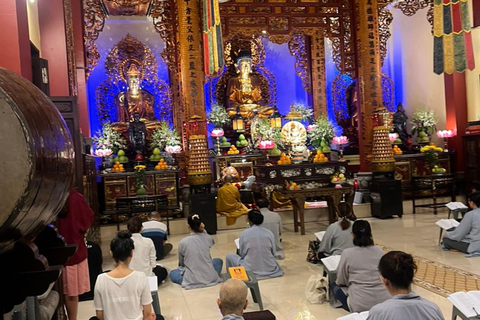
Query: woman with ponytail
(196,268)
(338,236)
(122,293)
(358,273)
(397,269)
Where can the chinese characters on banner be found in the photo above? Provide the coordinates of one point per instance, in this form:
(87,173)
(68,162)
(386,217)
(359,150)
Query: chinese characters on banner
(191,64)
(369,75)
(318,74)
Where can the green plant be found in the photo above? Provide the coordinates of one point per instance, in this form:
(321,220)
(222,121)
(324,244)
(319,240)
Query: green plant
(424,121)
(164,136)
(109,139)
(321,130)
(218,116)
(139,175)
(263,131)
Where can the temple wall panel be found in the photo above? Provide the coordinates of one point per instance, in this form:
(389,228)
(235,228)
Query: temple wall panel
(409,63)
(472,77)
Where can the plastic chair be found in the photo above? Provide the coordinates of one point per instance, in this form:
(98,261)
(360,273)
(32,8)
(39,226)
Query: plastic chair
(252,284)
(157,238)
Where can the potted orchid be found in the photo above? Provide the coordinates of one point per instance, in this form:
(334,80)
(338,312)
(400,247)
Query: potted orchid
(321,133)
(218,116)
(424,124)
(108,141)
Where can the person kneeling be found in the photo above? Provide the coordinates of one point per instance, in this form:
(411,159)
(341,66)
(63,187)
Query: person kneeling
(257,249)
(397,269)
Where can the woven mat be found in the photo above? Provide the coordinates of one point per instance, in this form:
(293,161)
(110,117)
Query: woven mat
(442,279)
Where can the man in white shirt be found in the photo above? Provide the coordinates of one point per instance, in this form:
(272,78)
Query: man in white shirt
(154,224)
(272,222)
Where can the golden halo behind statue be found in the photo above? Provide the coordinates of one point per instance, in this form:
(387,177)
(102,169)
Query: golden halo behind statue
(294,133)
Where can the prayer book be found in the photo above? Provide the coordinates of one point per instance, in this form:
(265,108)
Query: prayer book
(238,273)
(237,243)
(447,223)
(153,283)
(331,263)
(320,235)
(355,316)
(455,205)
(467,302)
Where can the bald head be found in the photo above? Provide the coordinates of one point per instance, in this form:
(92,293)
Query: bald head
(233,297)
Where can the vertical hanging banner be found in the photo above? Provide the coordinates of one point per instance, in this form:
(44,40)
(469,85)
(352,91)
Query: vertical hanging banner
(191,64)
(452,43)
(212,37)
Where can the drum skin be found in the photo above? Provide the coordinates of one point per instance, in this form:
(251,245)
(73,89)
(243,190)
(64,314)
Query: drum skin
(36,160)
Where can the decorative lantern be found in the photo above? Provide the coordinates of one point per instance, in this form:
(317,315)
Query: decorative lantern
(340,141)
(275,119)
(238,122)
(445,134)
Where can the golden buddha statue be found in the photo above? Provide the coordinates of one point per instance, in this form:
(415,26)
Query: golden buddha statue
(135,100)
(244,90)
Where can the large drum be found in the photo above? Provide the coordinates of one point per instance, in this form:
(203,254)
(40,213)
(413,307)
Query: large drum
(36,160)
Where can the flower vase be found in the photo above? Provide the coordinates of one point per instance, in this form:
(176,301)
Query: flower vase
(141,191)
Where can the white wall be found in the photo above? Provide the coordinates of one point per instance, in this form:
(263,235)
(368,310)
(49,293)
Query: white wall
(473,77)
(33,24)
(410,65)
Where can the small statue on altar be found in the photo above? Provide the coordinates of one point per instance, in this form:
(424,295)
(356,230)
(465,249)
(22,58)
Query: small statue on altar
(137,132)
(244,90)
(135,99)
(400,123)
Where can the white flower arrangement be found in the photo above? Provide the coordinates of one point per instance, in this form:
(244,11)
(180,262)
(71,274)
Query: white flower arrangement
(164,136)
(321,130)
(424,121)
(218,116)
(304,111)
(109,139)
(265,132)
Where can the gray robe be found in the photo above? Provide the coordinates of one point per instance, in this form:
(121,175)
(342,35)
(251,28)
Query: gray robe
(195,261)
(257,250)
(336,240)
(358,270)
(468,231)
(273,222)
(406,306)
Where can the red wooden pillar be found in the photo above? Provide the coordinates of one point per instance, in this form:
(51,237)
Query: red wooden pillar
(14,39)
(456,115)
(54,47)
(77,17)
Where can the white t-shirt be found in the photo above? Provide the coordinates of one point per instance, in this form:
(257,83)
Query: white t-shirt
(122,298)
(153,224)
(144,255)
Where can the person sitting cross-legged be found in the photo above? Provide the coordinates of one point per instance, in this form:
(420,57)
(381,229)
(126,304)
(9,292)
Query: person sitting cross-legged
(338,236)
(257,249)
(232,299)
(272,222)
(397,269)
(196,268)
(154,224)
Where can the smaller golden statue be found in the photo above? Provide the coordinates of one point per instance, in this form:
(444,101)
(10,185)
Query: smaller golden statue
(244,90)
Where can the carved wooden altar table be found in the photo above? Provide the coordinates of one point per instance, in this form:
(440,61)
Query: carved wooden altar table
(333,196)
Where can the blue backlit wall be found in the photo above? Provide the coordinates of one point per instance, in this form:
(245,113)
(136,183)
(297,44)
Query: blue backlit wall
(115,30)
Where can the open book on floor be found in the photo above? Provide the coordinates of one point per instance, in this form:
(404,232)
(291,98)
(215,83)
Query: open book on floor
(355,316)
(320,235)
(447,223)
(467,302)
(455,205)
(331,263)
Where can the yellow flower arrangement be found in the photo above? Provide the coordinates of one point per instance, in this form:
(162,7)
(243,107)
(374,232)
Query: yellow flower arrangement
(139,175)
(431,148)
(431,155)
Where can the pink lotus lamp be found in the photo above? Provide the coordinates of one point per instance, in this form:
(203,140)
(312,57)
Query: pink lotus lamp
(340,141)
(103,152)
(445,134)
(393,136)
(173,149)
(217,133)
(266,145)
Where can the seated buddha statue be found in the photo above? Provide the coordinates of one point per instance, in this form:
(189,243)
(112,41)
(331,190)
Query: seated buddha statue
(243,91)
(135,100)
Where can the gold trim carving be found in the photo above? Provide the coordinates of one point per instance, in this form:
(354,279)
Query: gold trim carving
(298,46)
(72,71)
(410,7)
(163,13)
(385,19)
(94,19)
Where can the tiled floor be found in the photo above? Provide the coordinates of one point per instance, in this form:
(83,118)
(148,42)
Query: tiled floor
(285,296)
